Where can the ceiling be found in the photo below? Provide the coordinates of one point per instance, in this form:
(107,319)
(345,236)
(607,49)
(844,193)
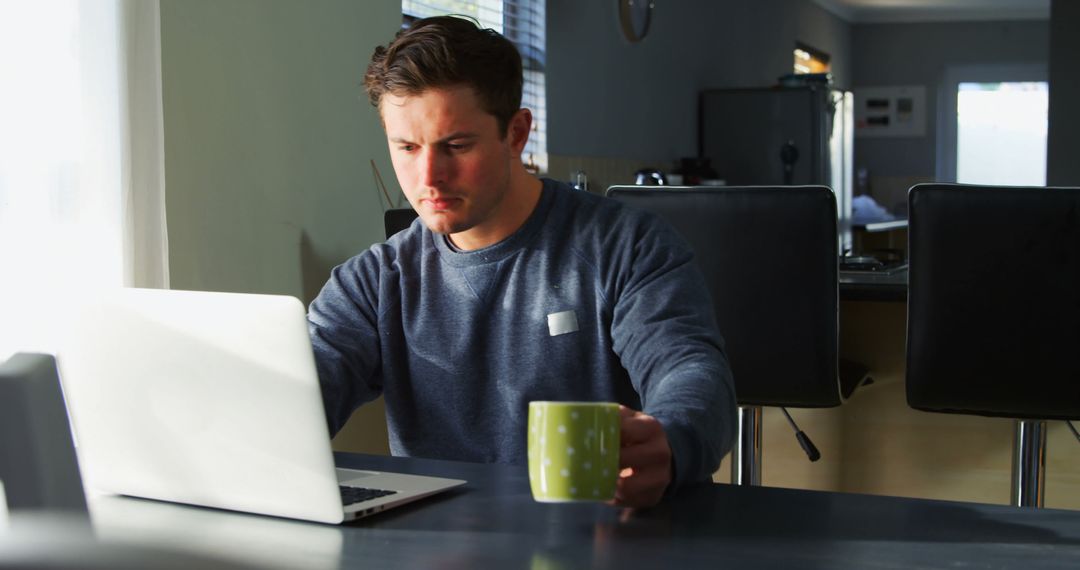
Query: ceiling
(879,11)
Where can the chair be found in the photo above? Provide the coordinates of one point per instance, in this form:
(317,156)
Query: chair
(397,219)
(994,311)
(37,458)
(769,256)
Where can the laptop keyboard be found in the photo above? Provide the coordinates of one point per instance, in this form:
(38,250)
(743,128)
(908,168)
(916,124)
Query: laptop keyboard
(353,495)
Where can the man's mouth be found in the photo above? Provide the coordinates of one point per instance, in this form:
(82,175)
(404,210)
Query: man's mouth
(440,203)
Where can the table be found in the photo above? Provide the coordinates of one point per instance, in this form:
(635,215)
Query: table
(870,286)
(492,522)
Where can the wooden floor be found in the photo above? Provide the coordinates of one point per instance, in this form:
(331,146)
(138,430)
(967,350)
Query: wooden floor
(876,444)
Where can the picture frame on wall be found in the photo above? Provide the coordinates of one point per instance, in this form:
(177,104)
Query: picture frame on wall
(890,111)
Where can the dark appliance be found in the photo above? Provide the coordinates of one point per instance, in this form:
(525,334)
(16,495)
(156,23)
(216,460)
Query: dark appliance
(782,136)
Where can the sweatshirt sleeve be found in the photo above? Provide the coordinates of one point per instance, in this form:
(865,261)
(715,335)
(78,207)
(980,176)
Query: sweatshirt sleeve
(665,333)
(343,325)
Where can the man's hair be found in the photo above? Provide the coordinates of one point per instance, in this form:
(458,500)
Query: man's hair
(449,51)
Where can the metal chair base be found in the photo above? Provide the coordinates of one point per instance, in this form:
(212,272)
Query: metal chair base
(1029,464)
(746,454)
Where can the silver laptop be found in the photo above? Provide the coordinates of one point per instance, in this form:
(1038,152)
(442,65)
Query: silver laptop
(212,399)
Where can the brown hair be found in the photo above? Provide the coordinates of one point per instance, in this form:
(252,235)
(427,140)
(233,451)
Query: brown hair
(449,51)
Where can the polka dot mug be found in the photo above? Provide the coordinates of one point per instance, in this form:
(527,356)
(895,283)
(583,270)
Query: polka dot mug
(573,451)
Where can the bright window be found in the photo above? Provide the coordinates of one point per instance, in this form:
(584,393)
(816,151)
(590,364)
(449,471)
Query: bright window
(81,184)
(1001,133)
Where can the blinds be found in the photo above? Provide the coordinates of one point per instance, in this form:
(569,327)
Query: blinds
(488,12)
(522,22)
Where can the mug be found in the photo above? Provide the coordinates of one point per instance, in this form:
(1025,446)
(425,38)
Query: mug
(573,450)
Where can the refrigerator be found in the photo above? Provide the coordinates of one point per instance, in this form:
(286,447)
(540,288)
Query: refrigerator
(782,136)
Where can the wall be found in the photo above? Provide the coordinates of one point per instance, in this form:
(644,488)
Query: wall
(268,143)
(610,98)
(269,136)
(918,54)
(1063,140)
(268,139)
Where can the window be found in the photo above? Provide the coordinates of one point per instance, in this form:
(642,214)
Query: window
(522,22)
(992,124)
(81,179)
(1001,133)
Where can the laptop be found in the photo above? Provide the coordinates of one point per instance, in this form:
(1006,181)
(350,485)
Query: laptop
(212,399)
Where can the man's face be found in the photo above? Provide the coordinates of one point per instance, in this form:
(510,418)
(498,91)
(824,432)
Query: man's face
(451,160)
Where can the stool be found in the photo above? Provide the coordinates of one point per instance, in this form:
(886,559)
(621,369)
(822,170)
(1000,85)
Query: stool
(397,219)
(769,257)
(994,311)
(38,463)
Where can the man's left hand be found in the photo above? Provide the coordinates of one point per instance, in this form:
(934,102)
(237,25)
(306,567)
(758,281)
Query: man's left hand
(644,460)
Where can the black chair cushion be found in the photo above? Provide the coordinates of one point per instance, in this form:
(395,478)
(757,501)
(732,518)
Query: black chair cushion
(397,219)
(769,256)
(994,301)
(38,463)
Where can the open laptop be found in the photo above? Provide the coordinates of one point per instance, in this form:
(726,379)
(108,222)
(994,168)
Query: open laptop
(212,399)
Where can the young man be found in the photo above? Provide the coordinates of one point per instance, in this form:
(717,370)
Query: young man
(510,289)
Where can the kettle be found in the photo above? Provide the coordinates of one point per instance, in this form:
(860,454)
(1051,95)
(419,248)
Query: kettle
(650,177)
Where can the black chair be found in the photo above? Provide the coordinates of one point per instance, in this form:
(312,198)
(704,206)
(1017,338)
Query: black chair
(397,219)
(38,465)
(994,311)
(769,255)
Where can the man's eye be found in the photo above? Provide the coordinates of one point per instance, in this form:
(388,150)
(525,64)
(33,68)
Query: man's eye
(457,147)
(407,147)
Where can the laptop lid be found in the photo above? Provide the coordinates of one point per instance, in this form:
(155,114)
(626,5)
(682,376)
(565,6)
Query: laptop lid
(203,398)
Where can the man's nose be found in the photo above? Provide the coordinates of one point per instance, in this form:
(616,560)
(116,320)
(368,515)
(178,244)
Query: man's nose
(432,168)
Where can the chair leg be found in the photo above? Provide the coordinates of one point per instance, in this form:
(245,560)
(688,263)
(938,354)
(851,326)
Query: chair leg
(1029,464)
(746,456)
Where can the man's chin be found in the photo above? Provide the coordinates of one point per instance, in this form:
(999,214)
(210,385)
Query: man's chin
(442,224)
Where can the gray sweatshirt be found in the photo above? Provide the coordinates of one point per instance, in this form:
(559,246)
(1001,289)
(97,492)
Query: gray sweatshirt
(588,300)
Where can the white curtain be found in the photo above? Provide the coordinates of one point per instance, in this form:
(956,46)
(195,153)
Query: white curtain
(81,159)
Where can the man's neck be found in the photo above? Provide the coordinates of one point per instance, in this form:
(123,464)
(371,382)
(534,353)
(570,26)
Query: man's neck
(516,208)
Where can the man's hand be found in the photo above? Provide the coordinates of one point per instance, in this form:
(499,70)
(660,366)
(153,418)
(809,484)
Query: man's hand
(644,460)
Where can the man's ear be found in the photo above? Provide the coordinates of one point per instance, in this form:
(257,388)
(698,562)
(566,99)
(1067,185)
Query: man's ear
(518,130)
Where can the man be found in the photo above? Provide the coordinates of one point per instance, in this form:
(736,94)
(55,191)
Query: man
(510,289)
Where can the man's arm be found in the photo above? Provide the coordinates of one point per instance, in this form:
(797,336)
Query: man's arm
(665,333)
(343,324)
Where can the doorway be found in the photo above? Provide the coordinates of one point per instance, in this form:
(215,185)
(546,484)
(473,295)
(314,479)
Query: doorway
(993,125)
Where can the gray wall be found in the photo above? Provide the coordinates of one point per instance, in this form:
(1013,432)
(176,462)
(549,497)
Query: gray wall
(268,140)
(269,136)
(610,98)
(918,54)
(1063,140)
(268,143)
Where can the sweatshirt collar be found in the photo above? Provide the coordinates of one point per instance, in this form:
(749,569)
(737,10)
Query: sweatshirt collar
(499,251)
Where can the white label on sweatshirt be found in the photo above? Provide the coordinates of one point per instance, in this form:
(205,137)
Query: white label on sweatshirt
(562,323)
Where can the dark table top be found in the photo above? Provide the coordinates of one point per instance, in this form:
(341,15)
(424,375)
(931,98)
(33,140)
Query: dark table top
(871,286)
(493,522)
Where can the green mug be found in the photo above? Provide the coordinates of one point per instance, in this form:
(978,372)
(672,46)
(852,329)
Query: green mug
(573,451)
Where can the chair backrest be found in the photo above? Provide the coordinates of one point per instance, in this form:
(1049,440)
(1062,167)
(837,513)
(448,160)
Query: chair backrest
(397,219)
(37,458)
(769,256)
(994,301)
